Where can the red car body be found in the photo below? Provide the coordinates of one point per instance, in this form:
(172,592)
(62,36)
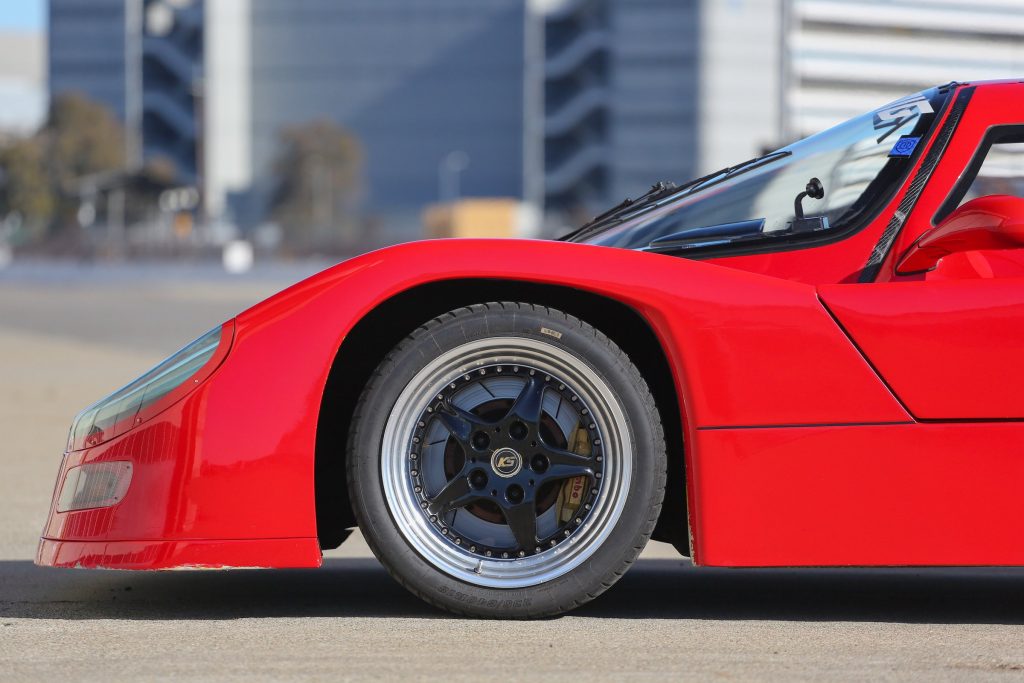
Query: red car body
(829,412)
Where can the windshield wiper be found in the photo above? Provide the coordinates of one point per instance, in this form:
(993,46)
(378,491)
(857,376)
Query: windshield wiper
(759,161)
(658,190)
(661,190)
(731,171)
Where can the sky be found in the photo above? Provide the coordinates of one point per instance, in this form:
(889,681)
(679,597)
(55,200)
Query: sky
(23,15)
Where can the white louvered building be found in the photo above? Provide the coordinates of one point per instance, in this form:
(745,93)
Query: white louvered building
(845,57)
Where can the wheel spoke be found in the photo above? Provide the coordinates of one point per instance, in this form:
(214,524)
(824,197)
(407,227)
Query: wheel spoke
(529,404)
(459,423)
(560,456)
(564,464)
(456,494)
(556,472)
(522,521)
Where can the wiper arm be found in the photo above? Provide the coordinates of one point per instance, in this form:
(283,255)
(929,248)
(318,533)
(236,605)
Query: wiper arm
(730,171)
(662,190)
(657,191)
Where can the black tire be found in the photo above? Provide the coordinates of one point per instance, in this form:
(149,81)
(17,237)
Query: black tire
(623,538)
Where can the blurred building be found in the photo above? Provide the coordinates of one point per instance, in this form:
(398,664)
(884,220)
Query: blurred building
(22,82)
(562,104)
(846,57)
(643,90)
(141,58)
(558,103)
(433,90)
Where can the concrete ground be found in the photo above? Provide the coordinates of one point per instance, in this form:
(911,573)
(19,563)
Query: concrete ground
(68,335)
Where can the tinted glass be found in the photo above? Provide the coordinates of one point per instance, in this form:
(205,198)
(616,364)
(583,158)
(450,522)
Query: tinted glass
(1002,172)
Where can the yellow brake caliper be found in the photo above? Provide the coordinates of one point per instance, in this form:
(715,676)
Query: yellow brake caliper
(570,497)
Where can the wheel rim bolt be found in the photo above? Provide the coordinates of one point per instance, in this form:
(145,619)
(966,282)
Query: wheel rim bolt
(478,479)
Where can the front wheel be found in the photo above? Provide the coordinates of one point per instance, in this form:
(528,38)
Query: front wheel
(506,460)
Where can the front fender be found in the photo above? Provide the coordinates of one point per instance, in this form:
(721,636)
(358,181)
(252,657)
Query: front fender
(234,460)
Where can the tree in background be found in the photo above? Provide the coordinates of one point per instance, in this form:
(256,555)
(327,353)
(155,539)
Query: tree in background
(82,137)
(318,181)
(27,201)
(39,176)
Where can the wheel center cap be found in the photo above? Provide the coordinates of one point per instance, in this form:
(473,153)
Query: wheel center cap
(506,462)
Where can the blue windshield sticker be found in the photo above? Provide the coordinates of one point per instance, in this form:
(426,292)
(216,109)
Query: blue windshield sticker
(905,146)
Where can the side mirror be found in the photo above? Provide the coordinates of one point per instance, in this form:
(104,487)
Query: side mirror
(991,222)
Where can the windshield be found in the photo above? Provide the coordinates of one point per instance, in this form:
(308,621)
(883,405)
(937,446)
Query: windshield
(860,163)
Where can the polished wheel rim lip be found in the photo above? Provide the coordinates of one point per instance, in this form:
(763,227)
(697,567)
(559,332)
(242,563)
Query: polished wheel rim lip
(441,550)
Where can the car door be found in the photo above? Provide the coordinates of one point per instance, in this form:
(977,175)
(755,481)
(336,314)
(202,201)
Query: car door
(949,350)
(950,342)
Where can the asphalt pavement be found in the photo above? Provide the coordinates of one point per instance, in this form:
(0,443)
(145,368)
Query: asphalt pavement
(69,334)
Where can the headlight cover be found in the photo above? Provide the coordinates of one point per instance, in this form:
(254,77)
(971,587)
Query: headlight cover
(94,485)
(152,392)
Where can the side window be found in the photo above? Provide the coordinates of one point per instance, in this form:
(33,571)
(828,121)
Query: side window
(996,168)
(1002,172)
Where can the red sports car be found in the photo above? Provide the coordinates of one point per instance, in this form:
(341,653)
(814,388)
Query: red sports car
(814,358)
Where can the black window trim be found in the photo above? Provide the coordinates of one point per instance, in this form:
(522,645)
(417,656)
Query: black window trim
(956,107)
